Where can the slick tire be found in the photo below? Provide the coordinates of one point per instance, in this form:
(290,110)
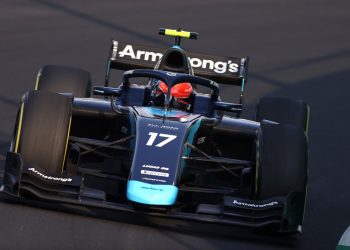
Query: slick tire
(283,110)
(42,132)
(282,160)
(62,79)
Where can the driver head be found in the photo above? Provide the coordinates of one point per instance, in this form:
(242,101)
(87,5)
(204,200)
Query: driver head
(180,92)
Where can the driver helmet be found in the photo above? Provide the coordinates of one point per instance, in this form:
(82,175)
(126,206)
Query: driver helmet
(180,92)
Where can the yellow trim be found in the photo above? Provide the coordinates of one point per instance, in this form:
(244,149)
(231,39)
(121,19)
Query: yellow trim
(182,33)
(37,80)
(65,150)
(19,128)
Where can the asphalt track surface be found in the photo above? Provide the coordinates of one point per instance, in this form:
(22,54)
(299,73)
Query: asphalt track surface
(298,49)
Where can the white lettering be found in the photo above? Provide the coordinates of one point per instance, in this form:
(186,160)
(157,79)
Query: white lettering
(220,67)
(127,51)
(152,179)
(139,53)
(153,137)
(49,177)
(154,173)
(196,62)
(154,56)
(207,62)
(233,67)
(270,204)
(150,166)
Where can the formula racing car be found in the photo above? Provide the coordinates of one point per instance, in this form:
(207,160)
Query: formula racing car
(156,146)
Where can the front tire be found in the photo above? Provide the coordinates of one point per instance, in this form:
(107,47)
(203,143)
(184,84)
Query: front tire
(282,160)
(281,170)
(43,130)
(283,110)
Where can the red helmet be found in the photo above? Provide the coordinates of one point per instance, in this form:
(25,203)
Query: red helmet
(181,94)
(163,87)
(180,91)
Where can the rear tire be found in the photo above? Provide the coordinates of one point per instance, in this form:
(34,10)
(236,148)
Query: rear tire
(283,110)
(43,129)
(62,79)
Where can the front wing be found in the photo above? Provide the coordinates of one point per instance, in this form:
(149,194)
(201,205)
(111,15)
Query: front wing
(277,214)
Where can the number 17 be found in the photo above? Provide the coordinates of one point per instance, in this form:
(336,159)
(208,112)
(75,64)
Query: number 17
(153,137)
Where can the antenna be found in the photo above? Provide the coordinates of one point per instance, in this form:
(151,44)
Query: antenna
(178,34)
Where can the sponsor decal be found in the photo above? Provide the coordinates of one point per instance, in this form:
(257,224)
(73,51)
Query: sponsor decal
(128,51)
(171,74)
(49,177)
(154,173)
(153,188)
(246,204)
(220,67)
(153,179)
(149,171)
(150,166)
(155,167)
(162,126)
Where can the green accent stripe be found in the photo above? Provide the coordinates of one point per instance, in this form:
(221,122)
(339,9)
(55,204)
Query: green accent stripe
(344,242)
(242,86)
(257,167)
(341,247)
(191,134)
(190,137)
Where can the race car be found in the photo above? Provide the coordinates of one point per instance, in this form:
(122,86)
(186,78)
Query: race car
(124,151)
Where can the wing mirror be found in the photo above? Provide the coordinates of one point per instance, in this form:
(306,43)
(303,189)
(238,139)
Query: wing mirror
(107,91)
(228,107)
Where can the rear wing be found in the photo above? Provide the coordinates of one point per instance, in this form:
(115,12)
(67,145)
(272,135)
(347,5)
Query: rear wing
(226,70)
